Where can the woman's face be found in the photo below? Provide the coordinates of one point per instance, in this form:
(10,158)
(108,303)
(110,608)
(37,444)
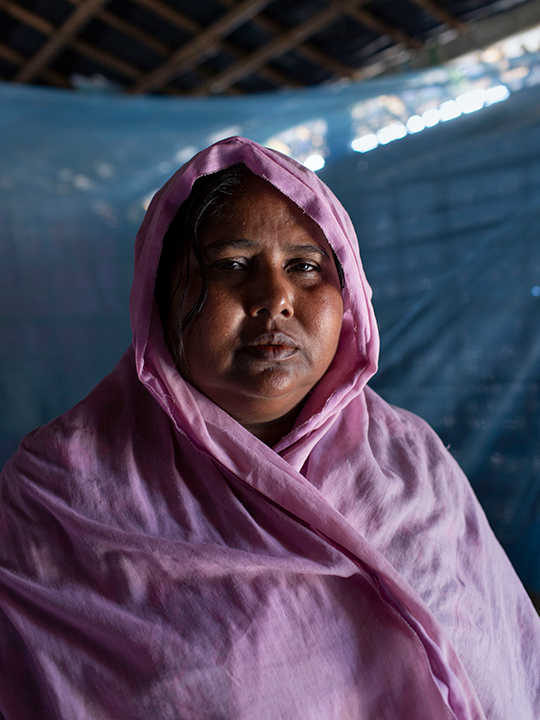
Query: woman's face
(270,325)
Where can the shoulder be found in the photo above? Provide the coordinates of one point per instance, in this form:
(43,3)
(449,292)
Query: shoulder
(398,421)
(88,441)
(399,436)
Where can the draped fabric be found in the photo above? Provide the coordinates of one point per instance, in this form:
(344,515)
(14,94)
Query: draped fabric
(446,219)
(158,560)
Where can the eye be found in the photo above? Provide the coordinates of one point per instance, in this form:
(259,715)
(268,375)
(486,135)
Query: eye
(229,264)
(303,266)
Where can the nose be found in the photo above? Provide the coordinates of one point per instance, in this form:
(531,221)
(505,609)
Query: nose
(270,294)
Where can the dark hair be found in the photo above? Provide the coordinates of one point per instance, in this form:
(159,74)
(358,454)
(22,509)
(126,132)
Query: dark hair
(210,199)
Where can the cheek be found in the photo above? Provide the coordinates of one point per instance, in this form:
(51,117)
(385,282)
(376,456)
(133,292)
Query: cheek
(328,320)
(221,312)
(210,335)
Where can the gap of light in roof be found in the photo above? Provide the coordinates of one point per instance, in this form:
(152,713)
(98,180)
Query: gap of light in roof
(466,85)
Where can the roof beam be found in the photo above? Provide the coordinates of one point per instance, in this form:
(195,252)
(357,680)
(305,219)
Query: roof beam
(105,58)
(82,14)
(383,28)
(308,51)
(141,36)
(18,59)
(274,76)
(171,15)
(205,44)
(313,54)
(11,55)
(27,17)
(81,46)
(286,41)
(433,8)
(194,28)
(479,35)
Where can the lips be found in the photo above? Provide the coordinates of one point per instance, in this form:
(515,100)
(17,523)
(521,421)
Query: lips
(271,346)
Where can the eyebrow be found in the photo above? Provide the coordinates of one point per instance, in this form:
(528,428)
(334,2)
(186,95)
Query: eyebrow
(241,243)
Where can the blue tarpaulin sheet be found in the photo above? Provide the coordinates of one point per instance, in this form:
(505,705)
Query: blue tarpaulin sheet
(447,221)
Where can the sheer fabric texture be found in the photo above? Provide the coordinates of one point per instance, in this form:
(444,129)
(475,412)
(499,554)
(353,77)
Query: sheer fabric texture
(158,560)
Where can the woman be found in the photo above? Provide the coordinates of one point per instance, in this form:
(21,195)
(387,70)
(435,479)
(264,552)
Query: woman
(232,525)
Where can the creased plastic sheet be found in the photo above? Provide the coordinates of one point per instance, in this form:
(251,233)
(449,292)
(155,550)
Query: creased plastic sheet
(448,224)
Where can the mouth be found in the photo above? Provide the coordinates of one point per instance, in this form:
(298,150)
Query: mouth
(271,346)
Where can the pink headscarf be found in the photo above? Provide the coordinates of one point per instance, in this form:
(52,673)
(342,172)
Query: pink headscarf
(159,561)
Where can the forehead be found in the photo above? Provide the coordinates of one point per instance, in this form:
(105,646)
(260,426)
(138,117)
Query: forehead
(261,207)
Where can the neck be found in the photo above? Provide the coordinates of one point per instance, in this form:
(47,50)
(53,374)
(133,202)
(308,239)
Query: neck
(271,431)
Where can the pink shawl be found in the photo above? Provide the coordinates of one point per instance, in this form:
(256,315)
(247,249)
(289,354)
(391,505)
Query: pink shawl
(157,561)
